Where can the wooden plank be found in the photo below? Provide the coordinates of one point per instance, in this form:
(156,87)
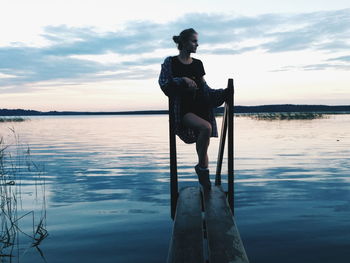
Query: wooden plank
(224,241)
(186,245)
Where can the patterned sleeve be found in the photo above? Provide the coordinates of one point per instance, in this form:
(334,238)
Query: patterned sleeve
(170,85)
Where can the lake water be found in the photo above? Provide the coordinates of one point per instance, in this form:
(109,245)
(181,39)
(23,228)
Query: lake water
(107,187)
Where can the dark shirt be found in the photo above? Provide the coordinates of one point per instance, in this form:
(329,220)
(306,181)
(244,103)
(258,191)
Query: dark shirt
(196,102)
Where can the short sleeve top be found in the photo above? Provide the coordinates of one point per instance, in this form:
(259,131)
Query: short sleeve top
(195,70)
(196,102)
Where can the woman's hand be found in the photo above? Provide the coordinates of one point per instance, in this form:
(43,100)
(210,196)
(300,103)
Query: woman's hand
(191,84)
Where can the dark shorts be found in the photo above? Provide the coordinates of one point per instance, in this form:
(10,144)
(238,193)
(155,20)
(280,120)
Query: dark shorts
(199,106)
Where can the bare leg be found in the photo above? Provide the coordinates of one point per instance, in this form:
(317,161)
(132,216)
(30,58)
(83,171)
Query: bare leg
(204,127)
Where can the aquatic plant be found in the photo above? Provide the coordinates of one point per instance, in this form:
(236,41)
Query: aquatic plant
(18,223)
(9,119)
(284,115)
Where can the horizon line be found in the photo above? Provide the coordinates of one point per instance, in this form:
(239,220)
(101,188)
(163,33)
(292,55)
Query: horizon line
(265,107)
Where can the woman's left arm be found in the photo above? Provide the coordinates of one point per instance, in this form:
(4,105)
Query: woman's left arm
(217,96)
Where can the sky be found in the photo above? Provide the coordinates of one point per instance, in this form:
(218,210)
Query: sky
(105,55)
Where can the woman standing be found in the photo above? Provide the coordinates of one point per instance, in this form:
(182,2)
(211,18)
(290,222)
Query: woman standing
(182,79)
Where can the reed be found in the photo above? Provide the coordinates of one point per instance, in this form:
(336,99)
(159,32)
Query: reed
(14,219)
(284,115)
(12,119)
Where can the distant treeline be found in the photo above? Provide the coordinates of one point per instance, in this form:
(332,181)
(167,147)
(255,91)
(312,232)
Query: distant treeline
(237,109)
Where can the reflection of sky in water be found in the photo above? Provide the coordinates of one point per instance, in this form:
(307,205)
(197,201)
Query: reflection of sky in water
(108,186)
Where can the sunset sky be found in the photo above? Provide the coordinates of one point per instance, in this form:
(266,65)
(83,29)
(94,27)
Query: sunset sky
(105,55)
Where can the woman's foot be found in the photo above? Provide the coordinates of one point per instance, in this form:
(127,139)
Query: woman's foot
(203,176)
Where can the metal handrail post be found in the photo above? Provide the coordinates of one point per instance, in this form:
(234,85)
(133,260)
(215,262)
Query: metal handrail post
(221,146)
(230,146)
(173,161)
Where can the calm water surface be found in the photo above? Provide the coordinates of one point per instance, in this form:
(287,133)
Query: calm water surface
(107,187)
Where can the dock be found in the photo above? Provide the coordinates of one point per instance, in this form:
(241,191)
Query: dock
(204,229)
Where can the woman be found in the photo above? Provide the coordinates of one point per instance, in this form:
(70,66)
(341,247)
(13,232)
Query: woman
(182,79)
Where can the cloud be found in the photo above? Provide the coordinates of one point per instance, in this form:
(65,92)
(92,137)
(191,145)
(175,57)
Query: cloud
(320,30)
(32,65)
(342,59)
(324,66)
(319,66)
(220,34)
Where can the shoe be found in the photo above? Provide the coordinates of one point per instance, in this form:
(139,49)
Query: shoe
(203,177)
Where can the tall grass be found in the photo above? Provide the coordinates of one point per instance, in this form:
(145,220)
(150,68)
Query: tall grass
(9,119)
(22,228)
(283,115)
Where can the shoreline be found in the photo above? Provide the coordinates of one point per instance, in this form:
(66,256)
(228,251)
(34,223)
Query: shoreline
(281,108)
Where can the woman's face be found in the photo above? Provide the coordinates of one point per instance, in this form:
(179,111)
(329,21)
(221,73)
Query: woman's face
(192,44)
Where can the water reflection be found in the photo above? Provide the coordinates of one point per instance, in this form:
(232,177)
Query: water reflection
(108,185)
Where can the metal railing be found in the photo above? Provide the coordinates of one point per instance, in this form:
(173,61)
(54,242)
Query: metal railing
(227,127)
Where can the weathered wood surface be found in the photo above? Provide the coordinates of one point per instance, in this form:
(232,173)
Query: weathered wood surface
(186,245)
(224,241)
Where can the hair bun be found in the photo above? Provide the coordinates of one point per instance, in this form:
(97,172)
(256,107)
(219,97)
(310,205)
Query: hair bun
(176,39)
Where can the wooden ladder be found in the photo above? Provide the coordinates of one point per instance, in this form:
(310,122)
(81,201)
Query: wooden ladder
(204,226)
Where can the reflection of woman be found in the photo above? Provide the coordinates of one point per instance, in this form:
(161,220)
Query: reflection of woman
(182,79)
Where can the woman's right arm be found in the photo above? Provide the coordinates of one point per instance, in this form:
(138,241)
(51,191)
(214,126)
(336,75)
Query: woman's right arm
(170,85)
